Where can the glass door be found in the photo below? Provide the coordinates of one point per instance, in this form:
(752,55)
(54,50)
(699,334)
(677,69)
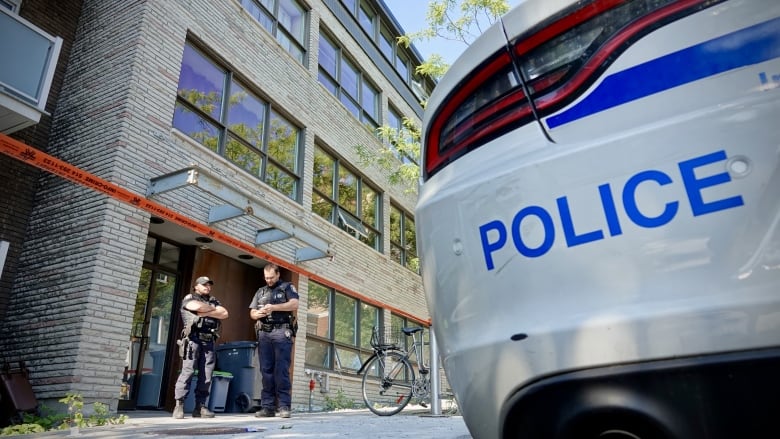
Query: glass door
(147,348)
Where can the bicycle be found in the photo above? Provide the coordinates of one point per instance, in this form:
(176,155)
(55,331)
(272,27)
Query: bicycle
(389,382)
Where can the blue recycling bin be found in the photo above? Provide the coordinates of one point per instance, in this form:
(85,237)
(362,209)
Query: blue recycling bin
(240,359)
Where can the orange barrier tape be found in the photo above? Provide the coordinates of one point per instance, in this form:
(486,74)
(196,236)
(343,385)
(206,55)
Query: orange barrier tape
(46,162)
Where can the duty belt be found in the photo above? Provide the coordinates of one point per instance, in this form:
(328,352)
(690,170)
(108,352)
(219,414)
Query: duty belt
(268,327)
(205,336)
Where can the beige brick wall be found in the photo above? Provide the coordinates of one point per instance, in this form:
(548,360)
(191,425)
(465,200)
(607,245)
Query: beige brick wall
(74,296)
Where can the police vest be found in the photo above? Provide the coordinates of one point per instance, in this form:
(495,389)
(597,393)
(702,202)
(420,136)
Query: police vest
(274,296)
(199,325)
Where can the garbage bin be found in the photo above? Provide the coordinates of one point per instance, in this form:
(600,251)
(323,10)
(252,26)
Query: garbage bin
(240,359)
(220,385)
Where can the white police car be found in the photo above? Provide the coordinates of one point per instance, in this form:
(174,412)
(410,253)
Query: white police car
(599,221)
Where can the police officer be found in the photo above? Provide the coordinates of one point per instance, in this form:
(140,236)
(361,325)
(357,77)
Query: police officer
(202,316)
(272,309)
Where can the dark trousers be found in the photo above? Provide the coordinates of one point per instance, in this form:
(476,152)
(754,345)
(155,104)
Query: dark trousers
(199,355)
(275,353)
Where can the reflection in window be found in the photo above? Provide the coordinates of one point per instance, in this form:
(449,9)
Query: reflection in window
(367,19)
(226,117)
(403,239)
(344,198)
(285,19)
(400,132)
(378,28)
(343,78)
(343,342)
(350,5)
(369,318)
(387,44)
(402,65)
(318,312)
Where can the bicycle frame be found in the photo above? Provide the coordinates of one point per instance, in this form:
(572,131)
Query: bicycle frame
(393,382)
(414,351)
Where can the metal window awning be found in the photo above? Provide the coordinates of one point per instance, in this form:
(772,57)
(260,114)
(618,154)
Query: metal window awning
(239,203)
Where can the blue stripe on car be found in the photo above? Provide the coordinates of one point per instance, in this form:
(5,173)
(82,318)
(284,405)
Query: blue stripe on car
(748,46)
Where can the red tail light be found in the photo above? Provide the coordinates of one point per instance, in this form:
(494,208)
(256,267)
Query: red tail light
(556,62)
(487,103)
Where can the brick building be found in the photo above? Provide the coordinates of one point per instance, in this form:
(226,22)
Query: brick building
(177,138)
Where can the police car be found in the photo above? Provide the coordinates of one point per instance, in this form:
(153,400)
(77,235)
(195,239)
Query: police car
(599,221)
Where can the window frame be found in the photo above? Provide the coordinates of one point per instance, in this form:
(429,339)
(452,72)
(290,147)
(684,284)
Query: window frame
(360,345)
(394,115)
(403,60)
(363,10)
(227,135)
(386,36)
(405,259)
(340,214)
(12,5)
(279,30)
(337,86)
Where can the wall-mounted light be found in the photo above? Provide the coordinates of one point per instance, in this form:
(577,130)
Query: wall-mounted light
(245,257)
(204,239)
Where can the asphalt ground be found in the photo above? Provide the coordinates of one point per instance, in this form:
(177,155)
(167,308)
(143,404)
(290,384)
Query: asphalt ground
(338,424)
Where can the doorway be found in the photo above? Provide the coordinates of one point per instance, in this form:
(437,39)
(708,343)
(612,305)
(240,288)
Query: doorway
(147,350)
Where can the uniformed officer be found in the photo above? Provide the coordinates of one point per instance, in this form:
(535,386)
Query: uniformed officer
(202,315)
(272,309)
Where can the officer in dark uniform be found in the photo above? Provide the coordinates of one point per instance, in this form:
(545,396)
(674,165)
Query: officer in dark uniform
(202,316)
(272,309)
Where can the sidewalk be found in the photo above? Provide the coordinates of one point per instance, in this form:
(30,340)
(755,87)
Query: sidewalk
(340,424)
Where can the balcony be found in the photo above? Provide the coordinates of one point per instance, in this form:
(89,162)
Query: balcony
(28,57)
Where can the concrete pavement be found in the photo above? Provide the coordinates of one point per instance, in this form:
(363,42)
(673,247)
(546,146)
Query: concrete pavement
(339,424)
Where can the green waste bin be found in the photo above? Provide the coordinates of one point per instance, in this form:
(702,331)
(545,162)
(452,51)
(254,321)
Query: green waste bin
(220,384)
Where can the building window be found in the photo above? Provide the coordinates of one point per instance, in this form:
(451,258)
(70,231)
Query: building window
(402,65)
(394,119)
(377,28)
(344,198)
(400,132)
(350,5)
(285,20)
(218,112)
(403,243)
(347,82)
(387,44)
(367,19)
(12,5)
(338,334)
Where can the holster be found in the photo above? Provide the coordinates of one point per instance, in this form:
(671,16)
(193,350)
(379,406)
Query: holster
(182,342)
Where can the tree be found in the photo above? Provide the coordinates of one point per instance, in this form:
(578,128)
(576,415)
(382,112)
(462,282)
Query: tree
(454,20)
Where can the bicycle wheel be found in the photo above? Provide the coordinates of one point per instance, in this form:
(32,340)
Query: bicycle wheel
(387,383)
